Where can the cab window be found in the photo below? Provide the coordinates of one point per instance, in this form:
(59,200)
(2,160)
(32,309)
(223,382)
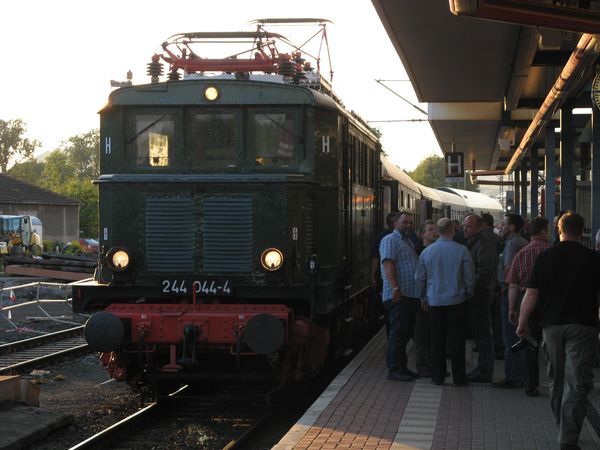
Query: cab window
(152,139)
(214,139)
(274,138)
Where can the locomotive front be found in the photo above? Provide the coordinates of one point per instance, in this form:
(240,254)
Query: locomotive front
(206,222)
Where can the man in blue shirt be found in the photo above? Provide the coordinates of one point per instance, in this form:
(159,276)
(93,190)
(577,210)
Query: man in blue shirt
(400,296)
(446,278)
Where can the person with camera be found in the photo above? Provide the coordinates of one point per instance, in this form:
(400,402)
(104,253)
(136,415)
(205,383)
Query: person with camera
(519,272)
(563,289)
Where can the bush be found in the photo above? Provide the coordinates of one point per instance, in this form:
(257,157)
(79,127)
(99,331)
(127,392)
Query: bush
(72,248)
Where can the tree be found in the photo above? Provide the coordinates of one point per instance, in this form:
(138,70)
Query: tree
(430,172)
(13,146)
(29,171)
(83,151)
(58,170)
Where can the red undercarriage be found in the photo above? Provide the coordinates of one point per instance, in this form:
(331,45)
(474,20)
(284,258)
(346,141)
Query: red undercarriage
(218,324)
(160,327)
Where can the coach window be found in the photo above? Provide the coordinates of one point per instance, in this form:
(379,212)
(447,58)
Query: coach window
(214,138)
(356,159)
(152,139)
(274,137)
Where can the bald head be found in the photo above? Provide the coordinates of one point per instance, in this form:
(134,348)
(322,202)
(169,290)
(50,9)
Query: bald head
(472,225)
(445,228)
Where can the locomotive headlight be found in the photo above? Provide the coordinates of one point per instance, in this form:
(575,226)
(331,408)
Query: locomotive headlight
(271,259)
(118,259)
(211,93)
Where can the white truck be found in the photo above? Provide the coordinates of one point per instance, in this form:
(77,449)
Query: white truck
(24,231)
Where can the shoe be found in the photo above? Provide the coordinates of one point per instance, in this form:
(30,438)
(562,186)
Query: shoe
(505,383)
(569,447)
(397,375)
(437,383)
(461,384)
(533,393)
(410,373)
(425,373)
(478,378)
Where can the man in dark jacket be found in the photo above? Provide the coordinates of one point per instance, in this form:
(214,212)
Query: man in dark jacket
(485,257)
(488,231)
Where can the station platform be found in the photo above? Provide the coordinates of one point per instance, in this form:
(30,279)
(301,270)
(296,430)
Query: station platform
(362,409)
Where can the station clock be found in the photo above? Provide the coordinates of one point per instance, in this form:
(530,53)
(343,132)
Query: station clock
(596,90)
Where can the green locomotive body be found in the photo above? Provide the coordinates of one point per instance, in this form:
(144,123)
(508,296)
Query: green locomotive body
(246,206)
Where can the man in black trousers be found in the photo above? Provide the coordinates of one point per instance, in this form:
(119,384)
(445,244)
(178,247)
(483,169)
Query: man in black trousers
(445,279)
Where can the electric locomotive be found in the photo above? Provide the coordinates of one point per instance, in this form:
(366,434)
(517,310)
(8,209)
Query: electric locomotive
(236,213)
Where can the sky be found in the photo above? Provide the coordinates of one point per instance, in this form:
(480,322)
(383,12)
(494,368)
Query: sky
(60,56)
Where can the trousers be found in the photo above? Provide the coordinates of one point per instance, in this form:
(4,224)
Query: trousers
(401,316)
(480,322)
(512,361)
(569,350)
(448,323)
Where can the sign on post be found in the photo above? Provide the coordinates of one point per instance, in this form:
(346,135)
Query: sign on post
(455,167)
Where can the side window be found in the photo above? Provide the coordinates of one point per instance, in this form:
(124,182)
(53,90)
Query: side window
(274,138)
(356,159)
(152,139)
(214,139)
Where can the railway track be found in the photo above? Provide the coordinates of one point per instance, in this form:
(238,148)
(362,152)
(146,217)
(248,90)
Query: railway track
(21,354)
(223,419)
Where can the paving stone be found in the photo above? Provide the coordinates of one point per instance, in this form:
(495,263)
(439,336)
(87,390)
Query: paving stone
(362,409)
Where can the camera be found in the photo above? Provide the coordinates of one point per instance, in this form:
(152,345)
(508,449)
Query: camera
(524,342)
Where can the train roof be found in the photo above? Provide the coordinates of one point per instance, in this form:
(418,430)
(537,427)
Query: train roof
(392,171)
(475,200)
(430,193)
(452,199)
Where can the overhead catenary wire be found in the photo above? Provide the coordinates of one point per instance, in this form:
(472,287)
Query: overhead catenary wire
(401,97)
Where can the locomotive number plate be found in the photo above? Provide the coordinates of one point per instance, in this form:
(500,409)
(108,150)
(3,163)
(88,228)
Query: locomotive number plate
(206,287)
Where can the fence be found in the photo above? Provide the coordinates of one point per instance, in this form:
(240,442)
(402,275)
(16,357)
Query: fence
(7,305)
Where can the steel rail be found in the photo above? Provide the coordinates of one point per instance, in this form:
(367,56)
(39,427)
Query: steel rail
(96,439)
(235,443)
(26,352)
(140,415)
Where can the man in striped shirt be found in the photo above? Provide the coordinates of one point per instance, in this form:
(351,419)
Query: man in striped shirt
(517,277)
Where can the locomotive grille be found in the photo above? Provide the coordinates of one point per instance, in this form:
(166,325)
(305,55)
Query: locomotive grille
(170,234)
(228,234)
(310,227)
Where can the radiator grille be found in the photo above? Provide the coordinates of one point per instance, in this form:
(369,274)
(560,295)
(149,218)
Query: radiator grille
(170,234)
(310,227)
(227,234)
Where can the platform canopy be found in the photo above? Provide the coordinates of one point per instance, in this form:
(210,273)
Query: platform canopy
(484,81)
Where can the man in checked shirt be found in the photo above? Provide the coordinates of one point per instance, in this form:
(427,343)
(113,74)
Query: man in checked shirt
(400,294)
(517,277)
